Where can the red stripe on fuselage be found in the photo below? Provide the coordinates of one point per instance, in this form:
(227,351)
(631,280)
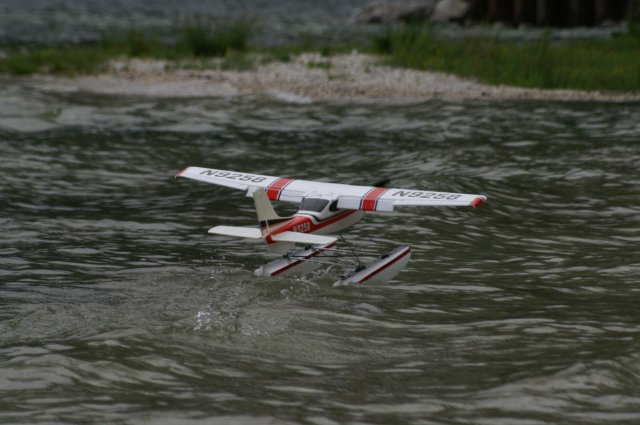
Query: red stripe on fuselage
(370,200)
(304,224)
(275,189)
(322,224)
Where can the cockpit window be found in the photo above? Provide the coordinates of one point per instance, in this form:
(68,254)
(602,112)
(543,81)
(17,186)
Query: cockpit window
(313,204)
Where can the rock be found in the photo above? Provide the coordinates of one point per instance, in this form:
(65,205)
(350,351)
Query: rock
(450,10)
(388,11)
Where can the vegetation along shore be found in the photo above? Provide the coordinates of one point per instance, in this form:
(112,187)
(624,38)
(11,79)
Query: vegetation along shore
(213,57)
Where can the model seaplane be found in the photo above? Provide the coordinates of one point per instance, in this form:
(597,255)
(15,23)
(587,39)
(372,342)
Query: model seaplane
(325,209)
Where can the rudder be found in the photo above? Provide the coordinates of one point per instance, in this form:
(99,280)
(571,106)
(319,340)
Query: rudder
(267,216)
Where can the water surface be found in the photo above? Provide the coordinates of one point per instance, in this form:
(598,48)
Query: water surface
(116,306)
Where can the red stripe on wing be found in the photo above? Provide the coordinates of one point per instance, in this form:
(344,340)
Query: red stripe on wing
(370,200)
(275,189)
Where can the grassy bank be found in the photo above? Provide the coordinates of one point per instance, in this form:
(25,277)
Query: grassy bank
(611,64)
(586,64)
(194,39)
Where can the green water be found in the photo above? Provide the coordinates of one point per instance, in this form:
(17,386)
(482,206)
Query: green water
(117,307)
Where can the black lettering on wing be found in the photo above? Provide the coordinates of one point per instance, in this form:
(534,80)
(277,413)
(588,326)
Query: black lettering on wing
(209,172)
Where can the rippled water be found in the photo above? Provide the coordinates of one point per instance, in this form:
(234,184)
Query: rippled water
(117,307)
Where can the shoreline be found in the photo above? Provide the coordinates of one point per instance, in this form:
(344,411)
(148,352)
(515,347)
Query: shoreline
(307,78)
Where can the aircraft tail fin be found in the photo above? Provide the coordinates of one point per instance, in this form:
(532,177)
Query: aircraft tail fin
(267,216)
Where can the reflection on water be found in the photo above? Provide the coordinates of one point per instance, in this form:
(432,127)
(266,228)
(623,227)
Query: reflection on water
(117,306)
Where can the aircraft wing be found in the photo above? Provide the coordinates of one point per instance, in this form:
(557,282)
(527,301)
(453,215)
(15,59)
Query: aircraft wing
(384,199)
(366,198)
(277,188)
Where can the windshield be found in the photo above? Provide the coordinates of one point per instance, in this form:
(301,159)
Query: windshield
(313,204)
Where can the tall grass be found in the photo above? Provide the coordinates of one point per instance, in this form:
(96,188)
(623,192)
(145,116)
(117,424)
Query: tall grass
(205,38)
(588,64)
(132,43)
(194,38)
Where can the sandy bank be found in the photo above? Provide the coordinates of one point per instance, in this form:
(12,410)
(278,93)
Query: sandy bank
(309,77)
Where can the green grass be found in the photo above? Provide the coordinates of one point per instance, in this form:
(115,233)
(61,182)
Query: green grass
(206,38)
(132,43)
(611,64)
(77,60)
(195,39)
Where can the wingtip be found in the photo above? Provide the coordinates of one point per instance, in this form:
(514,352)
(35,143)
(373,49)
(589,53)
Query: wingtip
(179,173)
(478,201)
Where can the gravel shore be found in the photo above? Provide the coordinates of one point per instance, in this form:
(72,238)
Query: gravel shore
(307,78)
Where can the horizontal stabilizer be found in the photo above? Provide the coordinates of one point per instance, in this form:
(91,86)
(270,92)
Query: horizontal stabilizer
(304,238)
(239,232)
